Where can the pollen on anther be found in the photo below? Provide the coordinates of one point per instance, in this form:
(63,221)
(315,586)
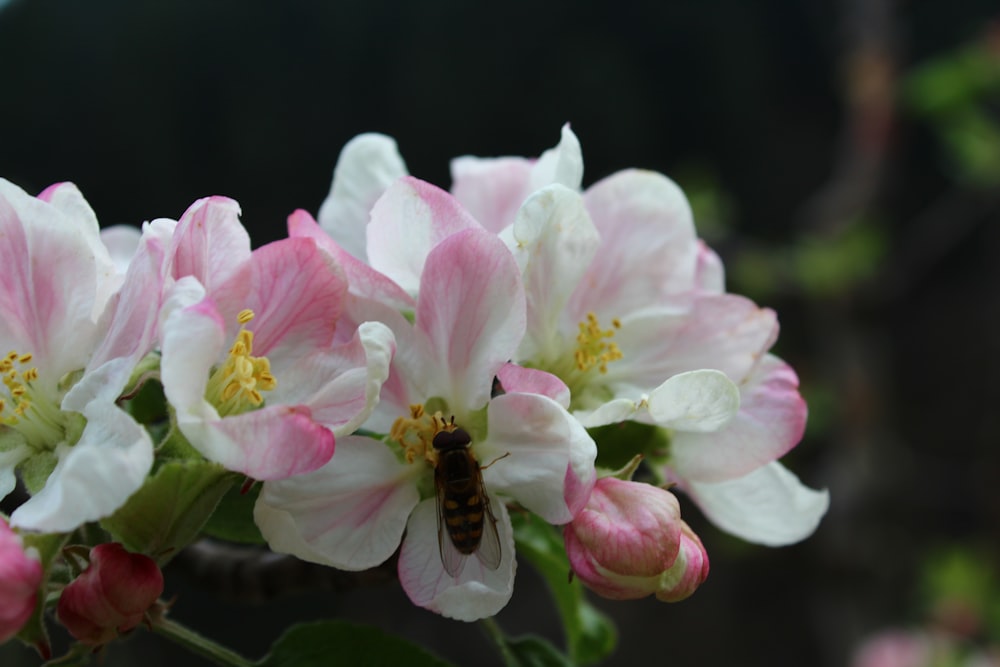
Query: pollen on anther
(245,316)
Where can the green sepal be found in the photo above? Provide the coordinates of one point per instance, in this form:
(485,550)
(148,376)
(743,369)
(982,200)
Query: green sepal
(171,508)
(619,444)
(149,404)
(47,546)
(336,642)
(233,518)
(590,635)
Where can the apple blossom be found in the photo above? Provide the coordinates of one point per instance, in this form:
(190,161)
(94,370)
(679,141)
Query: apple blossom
(70,342)
(20,578)
(629,542)
(375,495)
(111,596)
(626,306)
(250,362)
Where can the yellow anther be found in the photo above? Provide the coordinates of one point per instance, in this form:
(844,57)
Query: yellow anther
(593,347)
(415,434)
(25,358)
(236,386)
(17,382)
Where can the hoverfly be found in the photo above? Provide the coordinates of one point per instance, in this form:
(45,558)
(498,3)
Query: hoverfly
(466,524)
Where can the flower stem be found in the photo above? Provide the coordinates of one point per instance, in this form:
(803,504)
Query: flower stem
(494,632)
(196,643)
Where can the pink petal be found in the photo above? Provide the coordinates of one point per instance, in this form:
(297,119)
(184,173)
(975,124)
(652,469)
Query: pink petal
(349,514)
(209,242)
(368,164)
(477,592)
(410,219)
(296,292)
(770,422)
(710,275)
(648,246)
(491,189)
(471,309)
(362,280)
(48,285)
(274,442)
(514,378)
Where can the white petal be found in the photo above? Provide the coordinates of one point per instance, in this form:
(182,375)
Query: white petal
(12,452)
(555,243)
(614,411)
(769,506)
(349,514)
(477,592)
(538,442)
(367,165)
(562,164)
(94,477)
(121,241)
(700,401)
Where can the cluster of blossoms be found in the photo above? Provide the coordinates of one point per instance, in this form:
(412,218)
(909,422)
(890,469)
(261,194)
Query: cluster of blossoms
(397,375)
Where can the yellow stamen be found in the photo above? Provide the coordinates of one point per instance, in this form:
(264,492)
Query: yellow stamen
(415,434)
(593,347)
(18,384)
(236,386)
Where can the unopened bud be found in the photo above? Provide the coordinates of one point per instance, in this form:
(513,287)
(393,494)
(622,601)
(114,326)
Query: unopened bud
(111,596)
(630,542)
(20,578)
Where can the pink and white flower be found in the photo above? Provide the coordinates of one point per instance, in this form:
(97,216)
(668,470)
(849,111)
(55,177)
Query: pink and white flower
(250,361)
(625,304)
(375,495)
(71,341)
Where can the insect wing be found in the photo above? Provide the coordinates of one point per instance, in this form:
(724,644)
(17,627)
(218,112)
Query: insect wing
(488,552)
(452,559)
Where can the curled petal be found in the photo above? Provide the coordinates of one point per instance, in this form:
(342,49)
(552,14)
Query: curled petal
(209,242)
(770,422)
(514,378)
(349,514)
(94,477)
(478,592)
(700,401)
(769,506)
(367,166)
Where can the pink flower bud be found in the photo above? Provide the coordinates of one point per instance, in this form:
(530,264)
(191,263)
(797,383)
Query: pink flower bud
(629,542)
(20,578)
(111,596)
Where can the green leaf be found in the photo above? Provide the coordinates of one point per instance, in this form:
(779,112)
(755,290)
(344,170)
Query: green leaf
(590,635)
(338,643)
(233,518)
(171,508)
(533,651)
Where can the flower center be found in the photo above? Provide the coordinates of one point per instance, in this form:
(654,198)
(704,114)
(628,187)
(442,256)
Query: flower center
(236,385)
(594,347)
(23,407)
(415,434)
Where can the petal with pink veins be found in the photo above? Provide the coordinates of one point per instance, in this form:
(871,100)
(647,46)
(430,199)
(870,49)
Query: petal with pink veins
(362,280)
(770,422)
(49,285)
(296,293)
(478,592)
(514,378)
(768,506)
(209,242)
(471,310)
(644,221)
(349,514)
(367,166)
(407,222)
